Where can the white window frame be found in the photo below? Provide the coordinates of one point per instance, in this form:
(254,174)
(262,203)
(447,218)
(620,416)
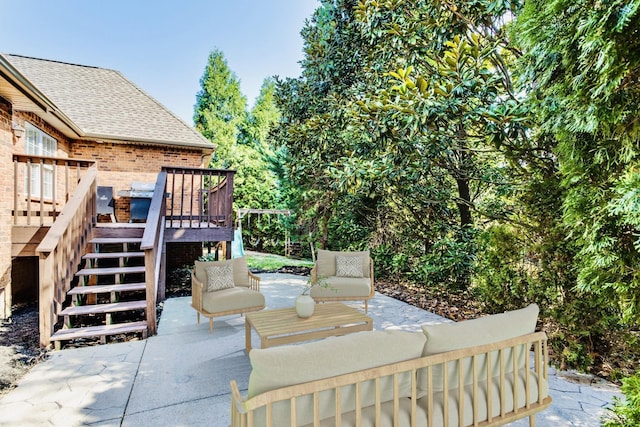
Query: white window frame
(39,143)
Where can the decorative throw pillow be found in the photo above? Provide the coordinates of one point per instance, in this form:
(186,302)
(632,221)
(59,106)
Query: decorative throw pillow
(219,277)
(348,266)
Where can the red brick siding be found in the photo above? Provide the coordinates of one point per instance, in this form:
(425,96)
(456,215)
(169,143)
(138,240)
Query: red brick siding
(120,164)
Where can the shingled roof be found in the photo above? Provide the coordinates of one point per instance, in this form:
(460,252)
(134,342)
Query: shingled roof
(103,105)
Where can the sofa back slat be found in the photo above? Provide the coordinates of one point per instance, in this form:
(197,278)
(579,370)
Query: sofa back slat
(475,389)
(514,351)
(461,389)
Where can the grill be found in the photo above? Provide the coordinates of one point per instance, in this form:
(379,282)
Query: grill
(140,196)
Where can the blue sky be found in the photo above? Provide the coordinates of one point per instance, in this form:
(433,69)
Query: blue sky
(162,45)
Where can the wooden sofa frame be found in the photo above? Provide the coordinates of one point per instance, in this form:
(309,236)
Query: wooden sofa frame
(372,290)
(197,288)
(242,411)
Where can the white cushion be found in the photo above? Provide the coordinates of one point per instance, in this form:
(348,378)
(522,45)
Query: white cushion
(445,337)
(277,367)
(235,298)
(219,277)
(348,266)
(326,262)
(343,286)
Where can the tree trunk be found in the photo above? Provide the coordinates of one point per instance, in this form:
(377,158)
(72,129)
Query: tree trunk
(461,170)
(464,205)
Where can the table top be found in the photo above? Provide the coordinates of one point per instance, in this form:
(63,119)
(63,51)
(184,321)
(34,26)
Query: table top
(286,321)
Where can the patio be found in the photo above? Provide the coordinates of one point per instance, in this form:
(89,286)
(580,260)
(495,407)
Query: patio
(180,377)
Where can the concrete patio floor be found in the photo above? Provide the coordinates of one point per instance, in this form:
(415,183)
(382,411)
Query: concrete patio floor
(180,377)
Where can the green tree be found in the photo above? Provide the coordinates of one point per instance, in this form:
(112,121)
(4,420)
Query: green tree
(442,117)
(265,115)
(220,109)
(314,136)
(241,137)
(582,63)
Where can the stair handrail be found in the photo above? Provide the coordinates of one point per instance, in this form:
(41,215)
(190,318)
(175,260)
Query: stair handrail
(152,242)
(60,252)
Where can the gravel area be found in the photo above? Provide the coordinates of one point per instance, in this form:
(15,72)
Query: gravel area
(19,347)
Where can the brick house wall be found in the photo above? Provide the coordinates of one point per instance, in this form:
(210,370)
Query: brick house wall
(120,164)
(6,196)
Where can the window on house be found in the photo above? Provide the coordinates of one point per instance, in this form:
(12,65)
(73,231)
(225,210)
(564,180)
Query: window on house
(39,143)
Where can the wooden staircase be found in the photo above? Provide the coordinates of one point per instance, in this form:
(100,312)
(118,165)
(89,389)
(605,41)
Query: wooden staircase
(110,296)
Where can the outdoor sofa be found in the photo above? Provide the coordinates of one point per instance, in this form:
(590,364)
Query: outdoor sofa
(399,378)
(347,276)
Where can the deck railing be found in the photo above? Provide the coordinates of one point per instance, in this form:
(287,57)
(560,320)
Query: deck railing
(43,185)
(61,250)
(199,198)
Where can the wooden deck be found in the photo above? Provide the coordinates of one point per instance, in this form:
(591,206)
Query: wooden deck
(60,226)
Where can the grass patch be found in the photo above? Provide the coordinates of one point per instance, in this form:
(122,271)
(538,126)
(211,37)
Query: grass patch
(271,262)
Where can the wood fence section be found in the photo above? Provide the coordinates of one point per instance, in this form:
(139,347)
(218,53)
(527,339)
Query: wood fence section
(61,250)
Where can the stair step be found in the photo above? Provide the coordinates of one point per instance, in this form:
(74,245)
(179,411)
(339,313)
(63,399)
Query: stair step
(103,308)
(110,255)
(115,240)
(110,270)
(100,331)
(99,289)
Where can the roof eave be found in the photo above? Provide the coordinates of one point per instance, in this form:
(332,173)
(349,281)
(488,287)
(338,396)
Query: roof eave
(114,139)
(23,84)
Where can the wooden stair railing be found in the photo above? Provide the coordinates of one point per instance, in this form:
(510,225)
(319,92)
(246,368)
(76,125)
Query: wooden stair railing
(152,244)
(61,249)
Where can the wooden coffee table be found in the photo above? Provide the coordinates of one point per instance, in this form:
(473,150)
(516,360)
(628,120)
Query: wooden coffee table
(283,326)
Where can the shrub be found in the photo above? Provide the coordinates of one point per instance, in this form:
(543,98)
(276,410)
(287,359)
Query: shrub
(625,413)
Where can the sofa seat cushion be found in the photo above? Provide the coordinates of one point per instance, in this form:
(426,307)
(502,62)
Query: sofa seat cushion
(278,367)
(451,336)
(369,414)
(235,298)
(343,286)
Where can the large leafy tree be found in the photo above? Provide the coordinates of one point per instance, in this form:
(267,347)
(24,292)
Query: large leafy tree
(315,134)
(441,118)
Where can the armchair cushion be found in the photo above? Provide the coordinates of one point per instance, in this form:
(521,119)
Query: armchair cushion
(327,262)
(348,266)
(219,277)
(235,298)
(240,270)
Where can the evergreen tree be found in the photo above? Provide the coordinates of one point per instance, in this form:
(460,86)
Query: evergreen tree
(220,109)
(582,66)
